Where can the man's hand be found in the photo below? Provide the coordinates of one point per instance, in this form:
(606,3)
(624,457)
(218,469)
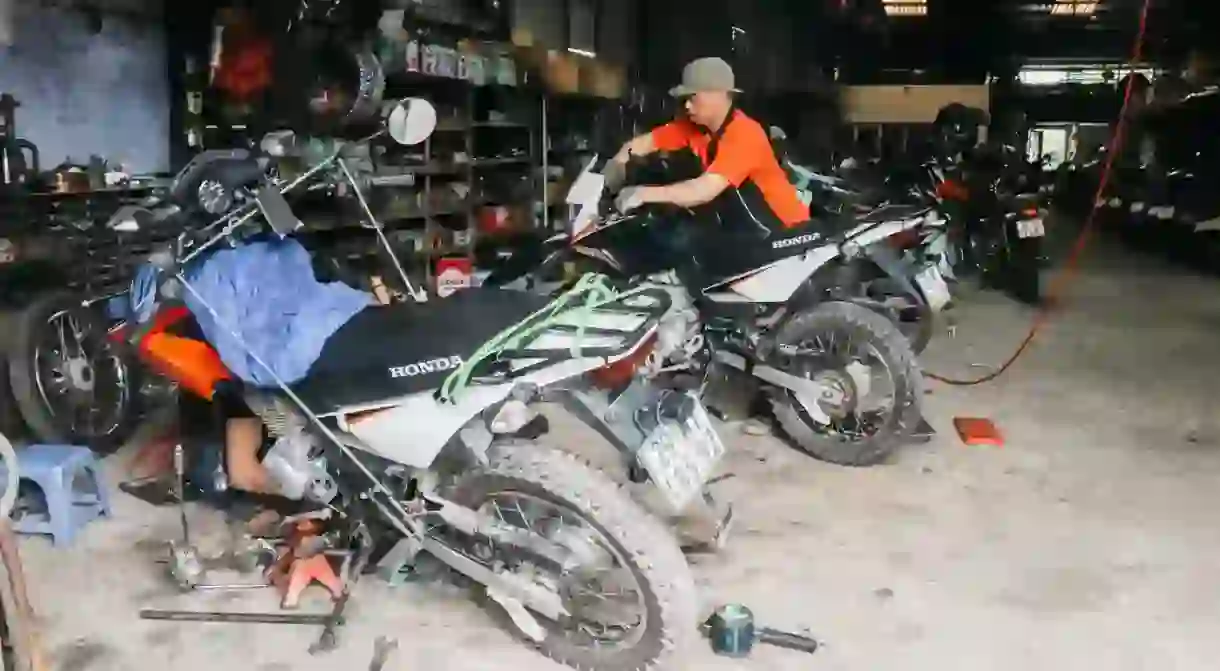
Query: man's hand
(630,198)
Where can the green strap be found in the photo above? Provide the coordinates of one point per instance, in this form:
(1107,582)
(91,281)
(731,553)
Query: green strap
(590,292)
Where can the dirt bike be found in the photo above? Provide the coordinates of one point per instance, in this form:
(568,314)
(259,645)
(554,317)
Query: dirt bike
(417,422)
(907,272)
(780,312)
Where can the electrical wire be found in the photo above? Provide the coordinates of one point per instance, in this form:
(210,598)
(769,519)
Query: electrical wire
(1060,282)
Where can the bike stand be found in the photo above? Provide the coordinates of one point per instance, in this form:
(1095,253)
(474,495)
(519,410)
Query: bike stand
(300,566)
(924,433)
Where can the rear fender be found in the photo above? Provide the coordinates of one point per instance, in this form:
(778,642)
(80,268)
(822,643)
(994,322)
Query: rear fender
(896,268)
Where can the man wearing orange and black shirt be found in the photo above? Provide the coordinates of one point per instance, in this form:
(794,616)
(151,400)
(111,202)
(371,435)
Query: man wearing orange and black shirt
(742,179)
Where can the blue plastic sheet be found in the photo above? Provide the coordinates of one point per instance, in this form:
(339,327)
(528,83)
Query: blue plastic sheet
(267,293)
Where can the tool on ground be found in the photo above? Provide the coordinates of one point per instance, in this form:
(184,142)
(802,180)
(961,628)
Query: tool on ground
(733,634)
(233,617)
(185,566)
(978,431)
(329,639)
(382,648)
(303,562)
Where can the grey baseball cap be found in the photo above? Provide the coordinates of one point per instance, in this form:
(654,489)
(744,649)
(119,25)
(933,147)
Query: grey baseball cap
(705,74)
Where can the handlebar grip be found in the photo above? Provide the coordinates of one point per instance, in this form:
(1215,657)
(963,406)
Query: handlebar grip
(787,640)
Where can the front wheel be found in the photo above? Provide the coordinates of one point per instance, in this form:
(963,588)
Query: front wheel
(633,603)
(71,382)
(872,387)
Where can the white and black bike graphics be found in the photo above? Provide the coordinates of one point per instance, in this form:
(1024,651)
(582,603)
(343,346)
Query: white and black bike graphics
(780,312)
(416,426)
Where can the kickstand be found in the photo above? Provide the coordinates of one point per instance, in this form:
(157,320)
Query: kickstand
(328,641)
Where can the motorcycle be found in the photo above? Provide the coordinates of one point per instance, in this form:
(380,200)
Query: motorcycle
(417,422)
(784,314)
(998,224)
(908,270)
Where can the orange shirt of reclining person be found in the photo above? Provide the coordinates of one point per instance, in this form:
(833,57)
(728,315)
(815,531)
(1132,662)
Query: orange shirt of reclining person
(745,158)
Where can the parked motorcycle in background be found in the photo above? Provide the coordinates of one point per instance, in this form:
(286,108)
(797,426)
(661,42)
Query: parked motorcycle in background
(782,314)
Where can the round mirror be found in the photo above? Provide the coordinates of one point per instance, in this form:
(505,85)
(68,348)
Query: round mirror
(411,121)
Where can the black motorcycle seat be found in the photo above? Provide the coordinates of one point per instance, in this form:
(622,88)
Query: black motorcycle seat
(392,351)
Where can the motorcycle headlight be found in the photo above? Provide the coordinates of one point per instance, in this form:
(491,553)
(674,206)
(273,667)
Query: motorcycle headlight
(214,198)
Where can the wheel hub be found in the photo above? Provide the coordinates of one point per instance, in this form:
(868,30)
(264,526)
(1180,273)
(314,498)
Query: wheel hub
(838,394)
(79,374)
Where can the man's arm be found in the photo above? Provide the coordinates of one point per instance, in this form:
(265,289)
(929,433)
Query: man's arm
(641,145)
(740,151)
(691,193)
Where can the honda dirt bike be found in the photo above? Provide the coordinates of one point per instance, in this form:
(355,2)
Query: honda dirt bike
(906,276)
(783,315)
(417,424)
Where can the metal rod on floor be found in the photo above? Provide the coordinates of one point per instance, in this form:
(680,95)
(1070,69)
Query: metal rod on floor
(216,616)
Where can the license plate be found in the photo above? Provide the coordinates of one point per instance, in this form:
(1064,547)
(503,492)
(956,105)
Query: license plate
(1116,202)
(935,289)
(1165,213)
(681,455)
(1137,207)
(1030,228)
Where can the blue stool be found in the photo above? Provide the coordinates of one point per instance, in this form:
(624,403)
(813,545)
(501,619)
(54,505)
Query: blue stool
(70,481)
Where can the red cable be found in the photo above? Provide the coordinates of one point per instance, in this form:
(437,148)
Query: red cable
(1061,280)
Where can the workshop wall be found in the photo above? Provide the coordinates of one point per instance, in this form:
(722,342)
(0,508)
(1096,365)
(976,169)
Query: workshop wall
(84,92)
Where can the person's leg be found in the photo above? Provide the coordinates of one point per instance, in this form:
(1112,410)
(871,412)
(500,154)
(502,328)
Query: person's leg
(243,438)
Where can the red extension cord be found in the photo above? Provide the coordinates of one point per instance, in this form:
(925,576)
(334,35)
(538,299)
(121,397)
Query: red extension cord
(1061,280)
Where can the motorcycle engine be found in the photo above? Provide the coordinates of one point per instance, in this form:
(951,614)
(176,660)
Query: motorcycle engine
(295,463)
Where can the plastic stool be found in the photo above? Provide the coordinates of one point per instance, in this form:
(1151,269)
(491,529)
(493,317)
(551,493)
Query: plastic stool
(71,483)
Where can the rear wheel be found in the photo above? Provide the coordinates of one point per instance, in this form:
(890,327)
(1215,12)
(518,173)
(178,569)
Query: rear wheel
(633,603)
(912,315)
(852,352)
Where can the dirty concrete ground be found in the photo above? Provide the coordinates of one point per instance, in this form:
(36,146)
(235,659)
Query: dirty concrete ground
(1088,541)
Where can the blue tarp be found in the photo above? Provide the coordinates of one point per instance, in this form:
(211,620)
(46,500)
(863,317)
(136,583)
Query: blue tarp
(266,292)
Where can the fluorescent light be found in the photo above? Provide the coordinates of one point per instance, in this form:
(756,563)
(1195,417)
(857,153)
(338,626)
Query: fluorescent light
(1073,8)
(582,52)
(905,7)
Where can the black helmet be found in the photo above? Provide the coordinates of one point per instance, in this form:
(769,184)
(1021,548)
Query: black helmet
(957,126)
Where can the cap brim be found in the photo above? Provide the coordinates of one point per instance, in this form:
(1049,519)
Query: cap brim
(685,91)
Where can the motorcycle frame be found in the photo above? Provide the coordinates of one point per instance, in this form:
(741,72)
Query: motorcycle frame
(378,494)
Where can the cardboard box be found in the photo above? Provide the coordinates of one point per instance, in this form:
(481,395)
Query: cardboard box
(602,79)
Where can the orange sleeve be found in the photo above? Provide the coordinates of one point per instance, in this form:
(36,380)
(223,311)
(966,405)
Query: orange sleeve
(740,153)
(672,136)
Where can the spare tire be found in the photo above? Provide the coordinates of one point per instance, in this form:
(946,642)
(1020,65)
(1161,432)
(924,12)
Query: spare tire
(70,381)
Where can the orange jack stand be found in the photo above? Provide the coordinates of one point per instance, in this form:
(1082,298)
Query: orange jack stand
(297,569)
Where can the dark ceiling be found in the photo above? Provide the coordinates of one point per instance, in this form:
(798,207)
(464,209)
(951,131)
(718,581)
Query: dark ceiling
(968,39)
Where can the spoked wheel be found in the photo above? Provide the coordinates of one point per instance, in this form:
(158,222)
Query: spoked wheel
(913,317)
(626,585)
(71,382)
(870,386)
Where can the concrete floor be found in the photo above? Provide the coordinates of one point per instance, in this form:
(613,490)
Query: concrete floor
(1088,541)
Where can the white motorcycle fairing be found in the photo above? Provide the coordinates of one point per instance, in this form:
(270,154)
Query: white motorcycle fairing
(412,430)
(777,282)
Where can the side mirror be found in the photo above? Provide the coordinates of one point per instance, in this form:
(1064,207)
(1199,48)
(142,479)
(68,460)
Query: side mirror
(126,219)
(410,121)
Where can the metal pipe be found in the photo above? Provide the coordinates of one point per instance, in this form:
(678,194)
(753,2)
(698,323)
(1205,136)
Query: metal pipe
(217,616)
